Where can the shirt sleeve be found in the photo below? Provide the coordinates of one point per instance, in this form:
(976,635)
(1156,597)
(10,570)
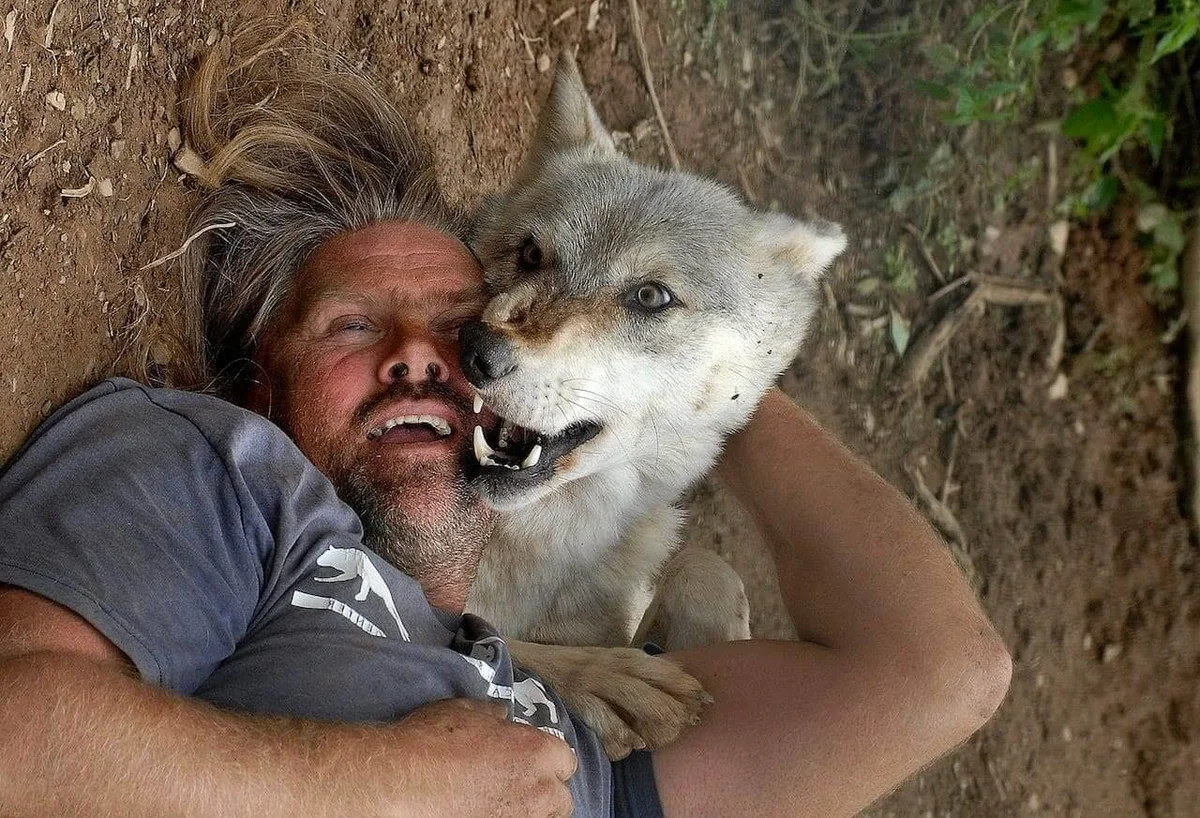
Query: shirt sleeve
(122,510)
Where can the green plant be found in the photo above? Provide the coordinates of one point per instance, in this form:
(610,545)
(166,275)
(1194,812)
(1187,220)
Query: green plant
(900,272)
(1126,106)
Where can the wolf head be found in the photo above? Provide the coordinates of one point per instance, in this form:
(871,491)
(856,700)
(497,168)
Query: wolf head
(638,315)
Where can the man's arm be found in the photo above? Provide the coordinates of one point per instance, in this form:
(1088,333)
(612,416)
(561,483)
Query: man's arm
(897,663)
(83,737)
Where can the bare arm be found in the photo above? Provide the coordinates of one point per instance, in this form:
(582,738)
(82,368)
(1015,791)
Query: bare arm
(897,663)
(83,737)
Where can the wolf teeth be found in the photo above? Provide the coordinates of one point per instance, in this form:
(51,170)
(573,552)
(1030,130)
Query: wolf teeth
(478,403)
(483,452)
(531,459)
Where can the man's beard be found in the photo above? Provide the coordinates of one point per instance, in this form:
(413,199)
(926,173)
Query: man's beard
(439,553)
(440,550)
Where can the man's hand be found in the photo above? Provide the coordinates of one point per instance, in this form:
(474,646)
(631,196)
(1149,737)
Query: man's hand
(506,769)
(83,736)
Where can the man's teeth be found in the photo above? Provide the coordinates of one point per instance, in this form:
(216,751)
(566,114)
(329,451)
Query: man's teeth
(436,423)
(487,456)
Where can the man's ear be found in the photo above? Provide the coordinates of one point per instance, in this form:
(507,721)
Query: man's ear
(806,247)
(568,121)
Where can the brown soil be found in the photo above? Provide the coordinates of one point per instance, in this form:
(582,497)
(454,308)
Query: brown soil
(1071,507)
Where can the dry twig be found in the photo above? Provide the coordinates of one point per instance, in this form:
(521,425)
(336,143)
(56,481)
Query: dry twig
(647,75)
(923,352)
(912,230)
(1190,269)
(946,522)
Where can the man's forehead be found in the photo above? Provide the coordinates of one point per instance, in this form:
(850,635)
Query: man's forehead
(416,262)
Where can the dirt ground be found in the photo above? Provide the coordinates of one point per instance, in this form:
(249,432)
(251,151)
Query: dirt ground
(1051,436)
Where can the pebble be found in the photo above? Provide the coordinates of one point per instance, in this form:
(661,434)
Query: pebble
(543,63)
(56,100)
(1112,652)
(1058,389)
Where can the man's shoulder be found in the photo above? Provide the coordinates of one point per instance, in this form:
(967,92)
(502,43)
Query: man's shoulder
(122,404)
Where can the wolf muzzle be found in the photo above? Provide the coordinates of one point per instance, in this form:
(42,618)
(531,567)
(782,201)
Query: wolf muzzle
(484,355)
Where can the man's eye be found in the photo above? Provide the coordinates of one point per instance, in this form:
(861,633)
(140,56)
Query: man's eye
(352,326)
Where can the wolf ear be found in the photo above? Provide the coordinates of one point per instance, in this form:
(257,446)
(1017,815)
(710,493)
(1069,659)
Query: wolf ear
(806,247)
(568,121)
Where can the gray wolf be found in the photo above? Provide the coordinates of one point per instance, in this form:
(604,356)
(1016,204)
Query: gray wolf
(637,318)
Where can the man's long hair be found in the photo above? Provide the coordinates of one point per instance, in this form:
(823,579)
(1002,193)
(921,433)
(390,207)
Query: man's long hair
(296,147)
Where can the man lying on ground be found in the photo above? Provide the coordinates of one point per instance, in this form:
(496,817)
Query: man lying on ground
(192,622)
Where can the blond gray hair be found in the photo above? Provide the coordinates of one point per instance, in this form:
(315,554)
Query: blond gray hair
(297,147)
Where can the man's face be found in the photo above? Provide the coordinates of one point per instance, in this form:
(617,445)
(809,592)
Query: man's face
(366,344)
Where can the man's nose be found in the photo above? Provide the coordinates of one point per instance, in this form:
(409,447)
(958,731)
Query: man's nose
(485,356)
(416,357)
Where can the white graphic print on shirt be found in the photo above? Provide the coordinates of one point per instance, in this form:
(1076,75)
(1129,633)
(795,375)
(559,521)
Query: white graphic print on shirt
(527,693)
(352,564)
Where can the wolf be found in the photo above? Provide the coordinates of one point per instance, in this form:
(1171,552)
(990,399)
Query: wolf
(636,318)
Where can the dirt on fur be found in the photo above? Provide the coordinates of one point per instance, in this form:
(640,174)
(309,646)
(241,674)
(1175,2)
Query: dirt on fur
(1050,435)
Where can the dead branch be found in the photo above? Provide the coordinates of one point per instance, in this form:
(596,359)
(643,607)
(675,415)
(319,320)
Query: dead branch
(647,75)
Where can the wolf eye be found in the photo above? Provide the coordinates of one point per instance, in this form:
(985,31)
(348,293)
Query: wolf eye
(529,255)
(649,297)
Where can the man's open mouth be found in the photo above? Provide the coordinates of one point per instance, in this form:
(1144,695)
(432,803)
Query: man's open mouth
(513,450)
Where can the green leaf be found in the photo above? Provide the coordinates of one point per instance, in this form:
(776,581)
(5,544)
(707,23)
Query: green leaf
(867,286)
(1169,235)
(1031,45)
(1092,119)
(1177,37)
(942,56)
(1164,276)
(901,331)
(1155,132)
(932,90)
(1085,13)
(1102,193)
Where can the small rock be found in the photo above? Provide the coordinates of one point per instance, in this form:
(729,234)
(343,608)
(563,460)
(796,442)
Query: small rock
(1070,79)
(105,187)
(56,100)
(593,15)
(1058,389)
(188,161)
(1066,733)
(543,63)
(1087,642)
(174,140)
(1059,233)
(1034,803)
(79,112)
(1112,652)
(116,148)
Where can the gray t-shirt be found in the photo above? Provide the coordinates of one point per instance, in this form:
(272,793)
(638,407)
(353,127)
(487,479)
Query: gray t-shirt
(198,539)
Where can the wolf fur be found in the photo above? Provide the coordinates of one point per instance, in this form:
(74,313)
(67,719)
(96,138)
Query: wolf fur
(577,555)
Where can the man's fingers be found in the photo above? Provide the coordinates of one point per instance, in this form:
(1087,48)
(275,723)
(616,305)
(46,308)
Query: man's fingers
(564,760)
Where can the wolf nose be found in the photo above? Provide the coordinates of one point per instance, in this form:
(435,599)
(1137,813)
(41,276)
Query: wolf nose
(484,355)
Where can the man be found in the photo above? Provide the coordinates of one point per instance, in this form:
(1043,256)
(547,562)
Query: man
(164,552)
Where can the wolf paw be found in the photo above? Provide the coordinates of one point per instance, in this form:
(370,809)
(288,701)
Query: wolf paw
(631,700)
